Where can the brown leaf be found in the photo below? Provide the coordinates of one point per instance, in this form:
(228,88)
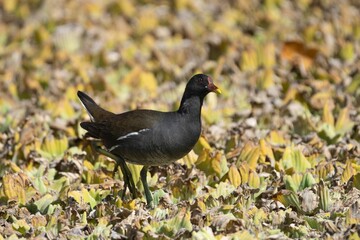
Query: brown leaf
(298,53)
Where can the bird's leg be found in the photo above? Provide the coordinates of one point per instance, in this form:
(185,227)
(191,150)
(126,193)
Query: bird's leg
(143,174)
(126,177)
(128,180)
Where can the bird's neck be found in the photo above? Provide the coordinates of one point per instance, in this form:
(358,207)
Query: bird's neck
(191,105)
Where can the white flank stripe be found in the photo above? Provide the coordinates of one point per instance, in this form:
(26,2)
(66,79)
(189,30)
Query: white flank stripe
(128,135)
(113,147)
(133,134)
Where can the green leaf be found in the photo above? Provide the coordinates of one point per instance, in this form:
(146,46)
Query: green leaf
(180,222)
(223,189)
(40,185)
(290,183)
(328,133)
(43,203)
(52,148)
(343,122)
(88,198)
(157,195)
(21,226)
(307,181)
(83,196)
(101,231)
(314,223)
(204,233)
(324,196)
(293,158)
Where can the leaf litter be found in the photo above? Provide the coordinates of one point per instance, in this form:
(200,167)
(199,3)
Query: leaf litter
(279,154)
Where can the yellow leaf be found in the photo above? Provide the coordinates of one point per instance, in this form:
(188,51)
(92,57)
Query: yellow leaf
(148,82)
(253,157)
(38,221)
(126,7)
(146,21)
(130,205)
(66,110)
(189,160)
(276,138)
(77,196)
(135,172)
(266,79)
(10,5)
(254,179)
(249,60)
(347,51)
(14,187)
(325,170)
(201,145)
(234,176)
(53,148)
(357,181)
(290,95)
(201,205)
(215,165)
(143,80)
(269,55)
(343,123)
(212,165)
(221,164)
(265,150)
(348,173)
(244,235)
(88,165)
(327,113)
(293,158)
(15,168)
(249,154)
(204,162)
(244,172)
(319,99)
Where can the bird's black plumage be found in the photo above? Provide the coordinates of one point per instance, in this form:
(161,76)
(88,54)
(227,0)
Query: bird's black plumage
(148,137)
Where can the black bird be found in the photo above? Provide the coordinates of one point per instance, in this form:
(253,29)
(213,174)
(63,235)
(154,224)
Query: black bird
(148,137)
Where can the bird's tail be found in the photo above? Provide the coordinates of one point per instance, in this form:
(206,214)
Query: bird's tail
(95,112)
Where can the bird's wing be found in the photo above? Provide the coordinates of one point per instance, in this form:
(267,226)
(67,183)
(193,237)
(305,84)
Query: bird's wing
(123,125)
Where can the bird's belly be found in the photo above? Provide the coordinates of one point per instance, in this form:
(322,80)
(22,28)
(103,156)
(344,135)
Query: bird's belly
(150,161)
(153,157)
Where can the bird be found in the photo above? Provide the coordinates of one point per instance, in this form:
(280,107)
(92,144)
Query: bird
(149,137)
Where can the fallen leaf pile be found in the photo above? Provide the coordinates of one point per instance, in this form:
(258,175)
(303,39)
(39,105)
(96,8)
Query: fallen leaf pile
(279,156)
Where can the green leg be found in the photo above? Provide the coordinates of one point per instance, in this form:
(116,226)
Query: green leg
(128,180)
(148,196)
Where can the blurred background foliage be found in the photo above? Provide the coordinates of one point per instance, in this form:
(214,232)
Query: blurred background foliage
(279,155)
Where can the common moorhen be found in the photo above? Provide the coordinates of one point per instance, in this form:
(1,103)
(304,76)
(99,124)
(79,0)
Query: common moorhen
(148,137)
